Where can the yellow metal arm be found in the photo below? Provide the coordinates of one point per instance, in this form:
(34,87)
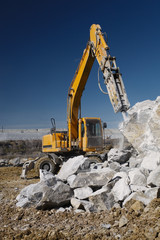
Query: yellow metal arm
(76,89)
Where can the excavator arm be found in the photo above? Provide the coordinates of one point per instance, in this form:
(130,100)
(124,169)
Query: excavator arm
(96,48)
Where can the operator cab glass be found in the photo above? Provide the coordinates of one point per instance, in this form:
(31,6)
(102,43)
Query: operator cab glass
(94,133)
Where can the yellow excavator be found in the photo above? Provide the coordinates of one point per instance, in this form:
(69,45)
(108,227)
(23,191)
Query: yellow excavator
(84,135)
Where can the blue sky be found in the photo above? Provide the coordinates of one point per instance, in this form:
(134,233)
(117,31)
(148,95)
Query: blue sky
(41,45)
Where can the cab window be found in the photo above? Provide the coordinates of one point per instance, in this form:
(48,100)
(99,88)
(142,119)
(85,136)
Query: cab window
(93,128)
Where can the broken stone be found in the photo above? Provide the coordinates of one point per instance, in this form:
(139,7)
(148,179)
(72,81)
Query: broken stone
(115,166)
(143,126)
(45,194)
(137,177)
(151,161)
(57,196)
(76,203)
(83,193)
(96,178)
(102,201)
(45,175)
(71,167)
(117,155)
(71,179)
(139,196)
(153,192)
(137,188)
(134,162)
(82,204)
(107,226)
(154,178)
(121,188)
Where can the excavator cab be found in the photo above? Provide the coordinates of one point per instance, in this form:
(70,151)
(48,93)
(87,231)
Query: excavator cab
(90,134)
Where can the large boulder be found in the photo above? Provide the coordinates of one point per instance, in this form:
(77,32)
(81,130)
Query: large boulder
(96,178)
(46,194)
(142,129)
(54,197)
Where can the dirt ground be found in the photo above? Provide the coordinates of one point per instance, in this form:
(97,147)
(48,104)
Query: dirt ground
(135,221)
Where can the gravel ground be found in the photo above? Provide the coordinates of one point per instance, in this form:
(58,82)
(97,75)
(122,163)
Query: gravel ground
(135,221)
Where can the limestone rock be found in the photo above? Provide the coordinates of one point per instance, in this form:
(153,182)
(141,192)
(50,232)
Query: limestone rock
(70,167)
(153,192)
(138,188)
(117,155)
(121,189)
(142,129)
(83,193)
(139,196)
(97,178)
(115,166)
(57,196)
(154,178)
(135,162)
(151,160)
(45,175)
(82,204)
(45,194)
(137,178)
(102,201)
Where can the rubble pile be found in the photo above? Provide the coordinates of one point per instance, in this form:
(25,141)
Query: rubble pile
(127,174)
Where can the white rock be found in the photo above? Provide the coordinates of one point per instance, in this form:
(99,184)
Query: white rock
(153,192)
(82,204)
(121,189)
(83,193)
(134,162)
(115,166)
(102,201)
(143,126)
(137,188)
(154,177)
(71,179)
(44,174)
(76,203)
(140,196)
(96,178)
(137,178)
(45,194)
(70,167)
(151,160)
(117,155)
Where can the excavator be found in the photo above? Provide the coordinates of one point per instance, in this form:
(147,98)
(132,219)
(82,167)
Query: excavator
(84,134)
